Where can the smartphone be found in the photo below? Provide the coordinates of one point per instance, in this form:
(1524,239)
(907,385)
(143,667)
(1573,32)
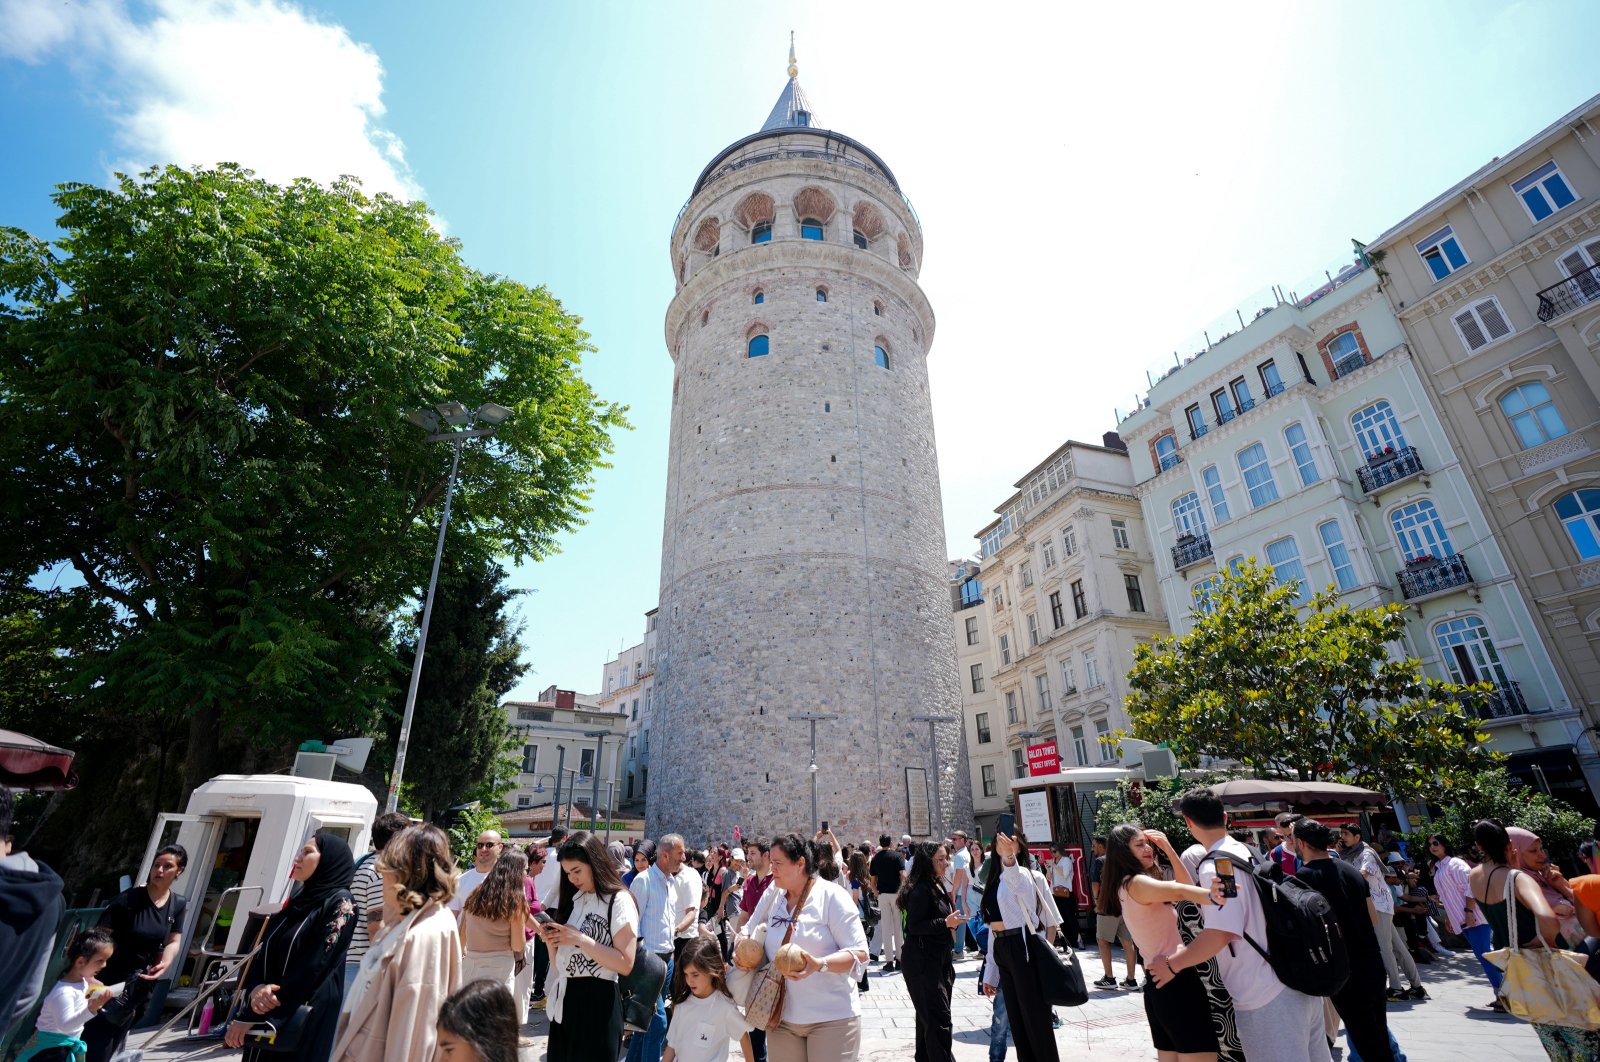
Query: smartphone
(1007,825)
(824,825)
(542,918)
(1230,885)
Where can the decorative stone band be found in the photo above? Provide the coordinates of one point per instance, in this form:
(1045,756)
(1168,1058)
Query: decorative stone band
(1553,453)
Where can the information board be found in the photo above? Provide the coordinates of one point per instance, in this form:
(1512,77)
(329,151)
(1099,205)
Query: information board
(918,822)
(1033,813)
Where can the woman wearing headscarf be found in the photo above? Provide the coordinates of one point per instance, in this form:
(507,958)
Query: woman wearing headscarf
(301,960)
(1536,862)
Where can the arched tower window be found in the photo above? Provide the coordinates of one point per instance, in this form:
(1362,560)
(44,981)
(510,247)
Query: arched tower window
(880,355)
(866,224)
(877,307)
(762,233)
(822,294)
(759,297)
(903,249)
(815,208)
(860,239)
(756,213)
(757,346)
(810,229)
(708,237)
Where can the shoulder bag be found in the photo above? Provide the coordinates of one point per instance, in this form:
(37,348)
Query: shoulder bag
(641,986)
(763,1007)
(1546,985)
(1060,977)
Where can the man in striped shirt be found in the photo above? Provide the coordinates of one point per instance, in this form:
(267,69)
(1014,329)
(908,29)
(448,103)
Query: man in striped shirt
(367,891)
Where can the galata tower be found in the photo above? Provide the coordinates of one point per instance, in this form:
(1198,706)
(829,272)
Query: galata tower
(803,567)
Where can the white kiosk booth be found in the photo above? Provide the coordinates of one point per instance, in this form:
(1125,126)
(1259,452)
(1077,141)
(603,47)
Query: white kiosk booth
(242,833)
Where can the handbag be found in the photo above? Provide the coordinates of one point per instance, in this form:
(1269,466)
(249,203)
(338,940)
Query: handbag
(641,986)
(1545,986)
(1059,976)
(123,1011)
(284,1037)
(763,1007)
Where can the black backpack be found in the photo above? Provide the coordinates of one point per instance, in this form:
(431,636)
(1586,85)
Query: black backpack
(1305,946)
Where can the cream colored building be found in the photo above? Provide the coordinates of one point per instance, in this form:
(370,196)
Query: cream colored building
(565,734)
(984,734)
(1497,285)
(627,686)
(1307,440)
(1070,588)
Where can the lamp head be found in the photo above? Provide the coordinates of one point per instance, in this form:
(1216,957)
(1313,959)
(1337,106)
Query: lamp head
(453,412)
(426,419)
(492,413)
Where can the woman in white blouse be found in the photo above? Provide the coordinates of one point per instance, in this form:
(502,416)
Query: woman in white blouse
(821,1015)
(1014,907)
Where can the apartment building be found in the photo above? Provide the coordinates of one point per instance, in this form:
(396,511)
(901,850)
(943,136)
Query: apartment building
(1308,441)
(984,734)
(1496,283)
(627,686)
(569,736)
(1070,588)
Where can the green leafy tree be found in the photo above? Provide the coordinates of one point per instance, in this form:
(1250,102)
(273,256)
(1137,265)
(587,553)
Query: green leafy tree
(460,738)
(464,833)
(1150,804)
(205,382)
(1307,694)
(1494,794)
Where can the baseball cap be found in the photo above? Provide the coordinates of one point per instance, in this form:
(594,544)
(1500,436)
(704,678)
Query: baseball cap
(1395,857)
(738,853)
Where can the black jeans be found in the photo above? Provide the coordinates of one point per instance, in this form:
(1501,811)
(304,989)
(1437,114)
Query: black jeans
(1361,1004)
(929,968)
(1026,1011)
(541,965)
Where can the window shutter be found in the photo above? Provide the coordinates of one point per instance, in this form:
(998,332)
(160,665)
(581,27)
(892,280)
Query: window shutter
(1471,334)
(1494,322)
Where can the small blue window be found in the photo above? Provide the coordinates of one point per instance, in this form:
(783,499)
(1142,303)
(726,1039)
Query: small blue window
(1442,253)
(860,239)
(810,229)
(822,295)
(762,233)
(881,357)
(758,346)
(760,298)
(1544,191)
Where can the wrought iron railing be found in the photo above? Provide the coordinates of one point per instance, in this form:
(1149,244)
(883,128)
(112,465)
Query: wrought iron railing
(1384,469)
(1502,702)
(1348,364)
(1580,288)
(1433,576)
(1171,460)
(1191,551)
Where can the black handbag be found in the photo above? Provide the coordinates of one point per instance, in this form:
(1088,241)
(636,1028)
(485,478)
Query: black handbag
(283,1037)
(1060,977)
(641,986)
(123,1011)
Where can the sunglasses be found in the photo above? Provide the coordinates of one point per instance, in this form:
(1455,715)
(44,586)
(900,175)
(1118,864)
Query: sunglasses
(488,844)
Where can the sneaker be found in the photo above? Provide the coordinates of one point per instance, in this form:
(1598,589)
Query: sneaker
(539,1002)
(1106,982)
(1418,992)
(1398,995)
(1132,984)
(1497,1006)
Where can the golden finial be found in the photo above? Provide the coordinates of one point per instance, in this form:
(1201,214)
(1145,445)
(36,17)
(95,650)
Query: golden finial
(794,71)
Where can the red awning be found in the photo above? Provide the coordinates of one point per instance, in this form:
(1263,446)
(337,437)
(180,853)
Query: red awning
(28,763)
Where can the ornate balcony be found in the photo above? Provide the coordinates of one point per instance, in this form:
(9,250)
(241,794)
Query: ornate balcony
(1577,290)
(1348,364)
(1190,550)
(1429,576)
(1386,469)
(1502,702)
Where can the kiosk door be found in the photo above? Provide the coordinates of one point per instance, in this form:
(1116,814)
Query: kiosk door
(199,835)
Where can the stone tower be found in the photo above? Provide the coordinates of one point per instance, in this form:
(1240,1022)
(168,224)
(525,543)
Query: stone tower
(803,565)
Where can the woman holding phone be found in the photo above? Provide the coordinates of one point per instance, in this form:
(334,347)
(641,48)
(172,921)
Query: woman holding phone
(1011,908)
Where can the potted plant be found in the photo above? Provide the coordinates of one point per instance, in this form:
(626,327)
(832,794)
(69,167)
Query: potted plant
(1388,453)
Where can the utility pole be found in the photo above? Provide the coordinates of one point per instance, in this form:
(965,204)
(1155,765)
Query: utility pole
(814,718)
(933,766)
(555,808)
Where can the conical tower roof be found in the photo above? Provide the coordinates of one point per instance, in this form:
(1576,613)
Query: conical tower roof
(793,110)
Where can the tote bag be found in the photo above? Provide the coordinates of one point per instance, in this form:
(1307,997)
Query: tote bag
(1545,986)
(763,1007)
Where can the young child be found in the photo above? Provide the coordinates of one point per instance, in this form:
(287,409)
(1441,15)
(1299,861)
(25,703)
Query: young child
(75,999)
(478,1023)
(705,1020)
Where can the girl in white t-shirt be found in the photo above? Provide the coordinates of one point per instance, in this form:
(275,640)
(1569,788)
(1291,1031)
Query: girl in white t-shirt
(75,999)
(705,1021)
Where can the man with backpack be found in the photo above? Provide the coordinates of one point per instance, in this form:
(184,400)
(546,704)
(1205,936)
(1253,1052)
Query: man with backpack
(1276,1023)
(1361,1001)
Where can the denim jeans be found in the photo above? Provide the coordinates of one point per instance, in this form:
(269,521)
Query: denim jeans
(999,1030)
(1350,1048)
(648,1045)
(1481,938)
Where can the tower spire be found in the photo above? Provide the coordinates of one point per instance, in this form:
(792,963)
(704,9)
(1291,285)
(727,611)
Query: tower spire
(794,71)
(792,108)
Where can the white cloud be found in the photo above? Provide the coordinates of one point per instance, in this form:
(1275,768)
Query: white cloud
(258,82)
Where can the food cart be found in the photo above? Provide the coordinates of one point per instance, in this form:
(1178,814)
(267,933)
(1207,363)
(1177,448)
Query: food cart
(1059,809)
(1254,803)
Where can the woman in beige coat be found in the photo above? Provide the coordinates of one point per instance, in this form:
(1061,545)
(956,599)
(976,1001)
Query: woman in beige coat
(414,961)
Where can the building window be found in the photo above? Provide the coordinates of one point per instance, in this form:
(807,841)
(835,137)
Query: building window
(1058,617)
(1376,429)
(971,593)
(1441,253)
(1080,749)
(1258,481)
(1284,556)
(1047,551)
(1469,654)
(1481,324)
(1420,532)
(1197,421)
(1069,541)
(880,357)
(1119,535)
(1200,594)
(1069,683)
(877,308)
(757,347)
(1532,414)
(1130,583)
(810,229)
(530,759)
(1344,569)
(977,678)
(1167,451)
(1223,405)
(1091,671)
(972,632)
(586,763)
(1580,515)
(1215,494)
(1241,394)
(1300,450)
(822,294)
(1271,382)
(761,233)
(984,734)
(524,800)
(990,787)
(635,714)
(860,238)
(1026,571)
(1102,730)
(1042,681)
(1344,354)
(1005,649)
(1080,603)
(759,297)
(1033,631)
(1544,191)
(1187,519)
(1019,764)
(1013,714)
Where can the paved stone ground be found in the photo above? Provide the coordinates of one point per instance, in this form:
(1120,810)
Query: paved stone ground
(1452,1027)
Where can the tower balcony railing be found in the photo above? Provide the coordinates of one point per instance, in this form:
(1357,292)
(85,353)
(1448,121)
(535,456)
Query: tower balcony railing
(1577,290)
(1428,576)
(1190,550)
(1392,466)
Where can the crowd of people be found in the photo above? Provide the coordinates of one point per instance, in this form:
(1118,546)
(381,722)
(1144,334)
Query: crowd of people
(397,955)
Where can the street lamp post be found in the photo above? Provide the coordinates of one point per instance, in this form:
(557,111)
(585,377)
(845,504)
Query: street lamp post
(460,419)
(594,801)
(814,718)
(561,764)
(933,766)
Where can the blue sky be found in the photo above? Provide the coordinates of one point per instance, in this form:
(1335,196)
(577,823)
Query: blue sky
(1095,187)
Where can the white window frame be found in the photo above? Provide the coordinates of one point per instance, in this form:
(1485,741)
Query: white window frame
(1091,670)
(1305,463)
(1042,681)
(1436,241)
(972,630)
(1119,535)
(1376,426)
(1188,518)
(1216,494)
(1471,635)
(1047,554)
(1005,649)
(1419,530)
(1269,483)
(1069,682)
(980,724)
(1344,572)
(1483,316)
(1014,708)
(1069,540)
(1530,412)
(1295,564)
(1200,595)
(1536,179)
(1026,571)
(1019,763)
(975,673)
(1102,728)
(1080,750)
(990,786)
(1033,630)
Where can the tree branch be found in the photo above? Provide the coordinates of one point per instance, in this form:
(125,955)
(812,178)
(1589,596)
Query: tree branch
(100,586)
